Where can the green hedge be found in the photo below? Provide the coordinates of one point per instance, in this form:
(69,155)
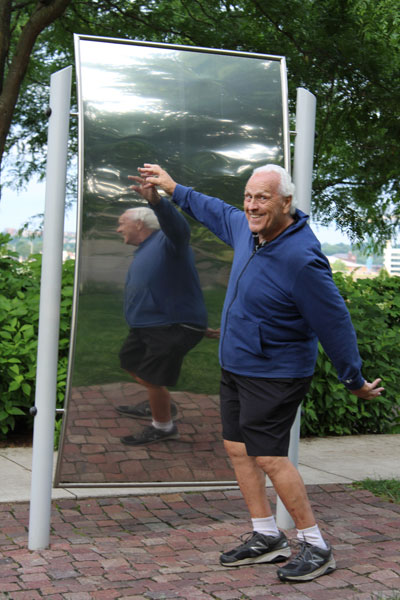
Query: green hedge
(329,408)
(19,315)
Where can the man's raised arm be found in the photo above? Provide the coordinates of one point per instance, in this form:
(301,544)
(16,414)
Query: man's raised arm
(154,175)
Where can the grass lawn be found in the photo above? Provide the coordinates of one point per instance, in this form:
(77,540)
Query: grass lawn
(101,330)
(388,489)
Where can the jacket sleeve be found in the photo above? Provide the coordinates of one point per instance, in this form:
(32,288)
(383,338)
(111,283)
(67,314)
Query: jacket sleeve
(219,217)
(172,223)
(321,304)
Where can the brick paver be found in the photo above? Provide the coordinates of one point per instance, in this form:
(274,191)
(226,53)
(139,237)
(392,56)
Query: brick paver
(93,453)
(167,546)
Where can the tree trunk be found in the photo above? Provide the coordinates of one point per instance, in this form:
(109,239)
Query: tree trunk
(44,13)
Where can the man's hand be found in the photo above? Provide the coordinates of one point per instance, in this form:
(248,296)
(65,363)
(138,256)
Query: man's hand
(145,189)
(213,334)
(369,391)
(155,175)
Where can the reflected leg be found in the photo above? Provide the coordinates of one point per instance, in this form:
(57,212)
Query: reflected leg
(159,400)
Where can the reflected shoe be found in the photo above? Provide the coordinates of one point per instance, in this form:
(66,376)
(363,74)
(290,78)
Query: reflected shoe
(258,548)
(142,410)
(309,563)
(150,435)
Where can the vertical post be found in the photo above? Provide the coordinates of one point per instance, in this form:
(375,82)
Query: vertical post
(49,311)
(302,177)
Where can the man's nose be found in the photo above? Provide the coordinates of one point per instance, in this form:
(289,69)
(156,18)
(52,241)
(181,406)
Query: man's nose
(252,203)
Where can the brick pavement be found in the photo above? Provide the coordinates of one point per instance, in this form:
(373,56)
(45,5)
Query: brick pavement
(93,453)
(167,546)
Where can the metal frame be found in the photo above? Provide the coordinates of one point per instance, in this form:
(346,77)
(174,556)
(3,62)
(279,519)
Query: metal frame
(287,164)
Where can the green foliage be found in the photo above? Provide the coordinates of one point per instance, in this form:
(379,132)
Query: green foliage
(388,489)
(346,53)
(329,409)
(339,248)
(339,265)
(19,315)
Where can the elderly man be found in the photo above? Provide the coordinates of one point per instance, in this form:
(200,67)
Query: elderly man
(164,309)
(280,300)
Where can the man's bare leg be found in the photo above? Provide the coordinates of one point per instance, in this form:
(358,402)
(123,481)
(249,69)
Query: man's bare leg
(159,400)
(251,480)
(290,488)
(267,544)
(250,474)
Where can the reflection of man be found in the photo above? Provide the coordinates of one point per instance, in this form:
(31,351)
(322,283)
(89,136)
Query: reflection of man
(164,309)
(280,297)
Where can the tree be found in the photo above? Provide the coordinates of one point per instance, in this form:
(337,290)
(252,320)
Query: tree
(346,52)
(20,26)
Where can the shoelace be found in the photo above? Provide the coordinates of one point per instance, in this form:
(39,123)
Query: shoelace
(303,551)
(246,537)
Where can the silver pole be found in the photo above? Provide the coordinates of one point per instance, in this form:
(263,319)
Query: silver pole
(302,177)
(49,311)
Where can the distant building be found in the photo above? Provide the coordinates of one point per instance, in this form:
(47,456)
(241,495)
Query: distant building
(358,270)
(392,259)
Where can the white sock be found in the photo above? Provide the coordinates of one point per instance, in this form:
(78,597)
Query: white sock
(266,526)
(164,426)
(312,535)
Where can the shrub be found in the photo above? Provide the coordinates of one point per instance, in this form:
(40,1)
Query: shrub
(329,409)
(19,315)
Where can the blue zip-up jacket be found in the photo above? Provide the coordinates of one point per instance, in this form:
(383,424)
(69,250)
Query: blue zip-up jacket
(280,299)
(162,285)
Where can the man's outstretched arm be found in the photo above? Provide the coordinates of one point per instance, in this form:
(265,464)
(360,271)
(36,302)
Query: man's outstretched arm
(154,175)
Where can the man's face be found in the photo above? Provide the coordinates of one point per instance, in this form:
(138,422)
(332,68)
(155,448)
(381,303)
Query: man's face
(130,230)
(267,211)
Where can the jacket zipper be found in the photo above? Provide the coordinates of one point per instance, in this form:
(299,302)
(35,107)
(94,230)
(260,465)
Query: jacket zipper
(234,298)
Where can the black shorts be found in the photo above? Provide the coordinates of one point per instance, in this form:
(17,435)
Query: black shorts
(155,354)
(260,412)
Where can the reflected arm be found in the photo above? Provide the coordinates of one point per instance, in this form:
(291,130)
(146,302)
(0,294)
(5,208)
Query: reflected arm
(172,223)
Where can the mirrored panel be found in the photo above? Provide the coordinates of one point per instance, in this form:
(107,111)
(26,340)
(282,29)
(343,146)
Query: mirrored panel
(209,118)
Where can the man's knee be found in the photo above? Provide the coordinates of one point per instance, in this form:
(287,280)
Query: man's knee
(235,449)
(272,465)
(145,383)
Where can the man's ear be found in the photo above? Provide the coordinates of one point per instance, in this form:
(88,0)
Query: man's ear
(287,204)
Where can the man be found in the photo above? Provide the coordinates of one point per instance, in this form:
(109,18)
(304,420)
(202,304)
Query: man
(280,299)
(164,309)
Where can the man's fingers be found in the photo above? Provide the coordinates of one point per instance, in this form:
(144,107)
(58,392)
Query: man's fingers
(376,382)
(136,178)
(149,169)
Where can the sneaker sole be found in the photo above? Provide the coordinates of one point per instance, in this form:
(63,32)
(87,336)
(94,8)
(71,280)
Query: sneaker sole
(272,557)
(164,439)
(324,570)
(174,415)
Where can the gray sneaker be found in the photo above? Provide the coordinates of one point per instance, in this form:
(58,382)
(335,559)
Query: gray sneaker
(257,548)
(309,563)
(150,435)
(142,410)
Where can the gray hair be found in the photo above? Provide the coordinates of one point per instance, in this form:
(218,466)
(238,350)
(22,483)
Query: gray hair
(286,185)
(144,214)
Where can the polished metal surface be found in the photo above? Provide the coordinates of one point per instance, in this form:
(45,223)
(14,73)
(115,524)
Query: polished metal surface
(209,118)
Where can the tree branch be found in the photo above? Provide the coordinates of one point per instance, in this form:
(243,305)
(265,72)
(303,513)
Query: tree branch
(42,16)
(5,20)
